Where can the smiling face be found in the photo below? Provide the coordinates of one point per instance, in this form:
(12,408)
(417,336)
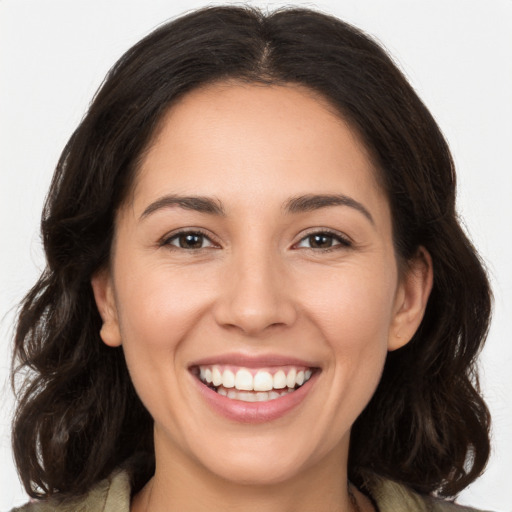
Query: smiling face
(256,245)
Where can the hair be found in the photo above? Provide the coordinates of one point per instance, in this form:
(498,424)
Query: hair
(78,415)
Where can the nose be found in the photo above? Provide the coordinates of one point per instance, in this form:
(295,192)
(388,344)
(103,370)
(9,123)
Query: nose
(255,295)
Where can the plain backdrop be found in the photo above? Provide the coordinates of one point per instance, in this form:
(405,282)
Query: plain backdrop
(456,53)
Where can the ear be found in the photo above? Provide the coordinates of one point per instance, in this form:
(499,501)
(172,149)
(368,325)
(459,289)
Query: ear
(411,299)
(103,289)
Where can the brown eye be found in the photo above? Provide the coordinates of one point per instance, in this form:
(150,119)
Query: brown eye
(189,240)
(320,241)
(323,240)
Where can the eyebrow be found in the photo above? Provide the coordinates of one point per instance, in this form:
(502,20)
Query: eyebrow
(196,203)
(310,202)
(298,204)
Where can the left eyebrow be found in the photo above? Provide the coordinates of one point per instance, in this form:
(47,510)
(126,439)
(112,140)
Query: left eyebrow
(310,202)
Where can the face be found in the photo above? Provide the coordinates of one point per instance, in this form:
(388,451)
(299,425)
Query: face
(253,284)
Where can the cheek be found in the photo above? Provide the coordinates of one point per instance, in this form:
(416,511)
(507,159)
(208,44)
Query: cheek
(348,313)
(353,306)
(158,308)
(160,305)
(353,310)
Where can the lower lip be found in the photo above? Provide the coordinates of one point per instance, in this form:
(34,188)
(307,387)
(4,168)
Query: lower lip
(255,412)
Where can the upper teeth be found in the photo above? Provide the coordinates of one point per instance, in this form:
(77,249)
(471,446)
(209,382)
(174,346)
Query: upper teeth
(244,379)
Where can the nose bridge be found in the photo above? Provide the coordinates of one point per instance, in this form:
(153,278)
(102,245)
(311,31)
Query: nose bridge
(255,294)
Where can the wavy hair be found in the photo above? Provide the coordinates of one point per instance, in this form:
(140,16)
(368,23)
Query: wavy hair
(78,415)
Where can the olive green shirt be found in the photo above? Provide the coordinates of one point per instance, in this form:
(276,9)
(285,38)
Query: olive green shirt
(113,495)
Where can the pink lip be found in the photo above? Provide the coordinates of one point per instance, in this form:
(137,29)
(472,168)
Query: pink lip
(254,412)
(252,361)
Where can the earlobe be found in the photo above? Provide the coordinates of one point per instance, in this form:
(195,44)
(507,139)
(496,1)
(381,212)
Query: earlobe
(411,299)
(103,290)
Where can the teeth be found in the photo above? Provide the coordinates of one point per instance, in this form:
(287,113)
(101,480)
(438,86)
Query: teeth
(280,380)
(216,376)
(228,379)
(290,380)
(262,381)
(244,380)
(248,396)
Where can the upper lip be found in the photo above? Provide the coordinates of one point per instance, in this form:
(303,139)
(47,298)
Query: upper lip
(254,361)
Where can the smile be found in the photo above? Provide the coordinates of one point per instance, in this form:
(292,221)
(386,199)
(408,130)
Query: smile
(253,384)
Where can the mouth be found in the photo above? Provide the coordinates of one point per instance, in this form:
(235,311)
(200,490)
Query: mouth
(253,384)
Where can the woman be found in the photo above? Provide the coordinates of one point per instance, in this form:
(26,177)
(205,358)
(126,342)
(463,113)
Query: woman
(258,295)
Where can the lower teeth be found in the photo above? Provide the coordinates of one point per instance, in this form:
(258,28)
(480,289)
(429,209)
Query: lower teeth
(252,396)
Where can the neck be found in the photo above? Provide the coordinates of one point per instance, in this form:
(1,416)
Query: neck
(182,484)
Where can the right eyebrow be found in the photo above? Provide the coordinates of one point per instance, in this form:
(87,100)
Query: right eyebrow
(196,203)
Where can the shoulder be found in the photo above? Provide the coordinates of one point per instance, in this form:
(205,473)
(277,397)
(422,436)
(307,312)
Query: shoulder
(109,495)
(394,497)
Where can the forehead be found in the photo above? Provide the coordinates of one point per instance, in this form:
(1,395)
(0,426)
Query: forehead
(267,140)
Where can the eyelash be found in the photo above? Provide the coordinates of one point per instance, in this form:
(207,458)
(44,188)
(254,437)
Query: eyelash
(343,242)
(166,241)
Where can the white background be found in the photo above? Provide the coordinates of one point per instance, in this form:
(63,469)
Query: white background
(457,54)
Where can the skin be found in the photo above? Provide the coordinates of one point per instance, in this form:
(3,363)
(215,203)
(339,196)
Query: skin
(256,286)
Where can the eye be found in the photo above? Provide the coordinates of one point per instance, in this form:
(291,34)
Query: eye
(189,240)
(323,240)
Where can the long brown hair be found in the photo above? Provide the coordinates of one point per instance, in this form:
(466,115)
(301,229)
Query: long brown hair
(79,416)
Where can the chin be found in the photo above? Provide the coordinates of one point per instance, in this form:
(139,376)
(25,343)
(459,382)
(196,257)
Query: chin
(254,464)
(255,473)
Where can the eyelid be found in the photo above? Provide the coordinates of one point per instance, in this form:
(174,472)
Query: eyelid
(344,241)
(168,237)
